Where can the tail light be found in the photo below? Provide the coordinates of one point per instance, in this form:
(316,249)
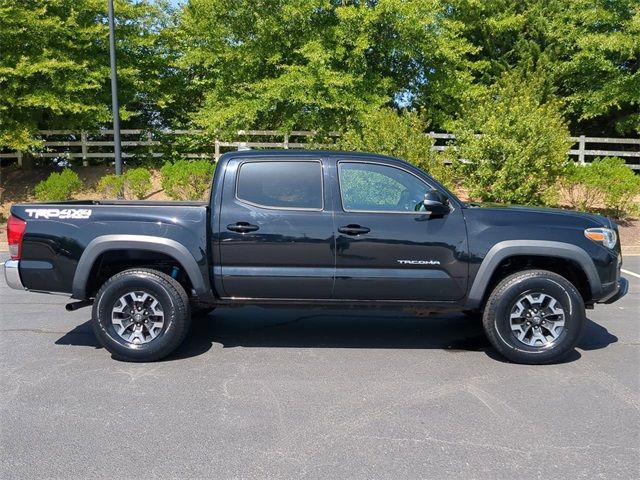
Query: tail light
(15,232)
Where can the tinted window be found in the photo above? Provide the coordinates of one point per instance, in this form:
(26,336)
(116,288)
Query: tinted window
(281,184)
(374,187)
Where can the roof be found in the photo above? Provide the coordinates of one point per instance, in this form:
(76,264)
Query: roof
(268,154)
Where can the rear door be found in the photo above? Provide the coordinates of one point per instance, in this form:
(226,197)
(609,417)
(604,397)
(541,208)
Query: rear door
(276,234)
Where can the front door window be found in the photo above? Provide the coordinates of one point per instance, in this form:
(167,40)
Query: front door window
(372,187)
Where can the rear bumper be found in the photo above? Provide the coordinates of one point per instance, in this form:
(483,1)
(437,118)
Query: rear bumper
(12,274)
(623,288)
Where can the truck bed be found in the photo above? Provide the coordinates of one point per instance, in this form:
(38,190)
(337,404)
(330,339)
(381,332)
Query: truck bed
(63,240)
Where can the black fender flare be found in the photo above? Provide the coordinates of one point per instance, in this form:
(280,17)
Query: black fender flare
(167,246)
(539,248)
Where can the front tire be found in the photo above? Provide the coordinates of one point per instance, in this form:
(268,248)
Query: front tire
(534,317)
(141,315)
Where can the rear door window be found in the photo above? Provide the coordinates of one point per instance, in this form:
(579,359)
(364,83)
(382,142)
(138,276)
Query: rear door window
(290,185)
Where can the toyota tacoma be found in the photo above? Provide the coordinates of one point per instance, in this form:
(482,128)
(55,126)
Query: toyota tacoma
(318,228)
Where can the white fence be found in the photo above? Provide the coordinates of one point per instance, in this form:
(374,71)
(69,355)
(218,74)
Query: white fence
(66,144)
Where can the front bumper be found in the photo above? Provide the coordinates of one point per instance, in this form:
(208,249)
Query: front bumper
(623,288)
(12,274)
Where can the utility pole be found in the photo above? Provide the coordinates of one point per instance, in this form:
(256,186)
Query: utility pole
(114,91)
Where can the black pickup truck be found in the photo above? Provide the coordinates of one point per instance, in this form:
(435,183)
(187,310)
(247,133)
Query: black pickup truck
(318,228)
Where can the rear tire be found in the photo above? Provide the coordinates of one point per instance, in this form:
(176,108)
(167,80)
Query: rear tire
(534,317)
(141,315)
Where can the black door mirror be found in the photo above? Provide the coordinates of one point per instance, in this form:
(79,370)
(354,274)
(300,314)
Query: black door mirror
(436,203)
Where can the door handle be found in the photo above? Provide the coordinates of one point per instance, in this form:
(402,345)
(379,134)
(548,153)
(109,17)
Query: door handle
(242,227)
(352,229)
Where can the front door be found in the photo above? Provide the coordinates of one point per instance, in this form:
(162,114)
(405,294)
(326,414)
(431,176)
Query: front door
(276,237)
(387,248)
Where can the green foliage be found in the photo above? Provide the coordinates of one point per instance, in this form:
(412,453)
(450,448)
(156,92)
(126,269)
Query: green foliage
(310,65)
(588,51)
(187,180)
(580,188)
(58,186)
(138,182)
(321,64)
(605,182)
(110,186)
(54,67)
(316,64)
(522,147)
(135,183)
(399,135)
(620,184)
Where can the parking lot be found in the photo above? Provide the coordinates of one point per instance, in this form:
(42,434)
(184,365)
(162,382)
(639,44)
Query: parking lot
(262,393)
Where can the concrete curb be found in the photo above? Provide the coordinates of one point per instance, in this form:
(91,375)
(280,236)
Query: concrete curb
(630,250)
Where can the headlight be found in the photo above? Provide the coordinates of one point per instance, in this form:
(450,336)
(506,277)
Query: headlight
(605,236)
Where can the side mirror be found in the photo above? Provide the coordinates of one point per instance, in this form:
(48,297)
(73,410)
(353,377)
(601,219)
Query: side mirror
(436,203)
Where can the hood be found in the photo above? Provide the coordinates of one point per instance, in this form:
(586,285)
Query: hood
(599,219)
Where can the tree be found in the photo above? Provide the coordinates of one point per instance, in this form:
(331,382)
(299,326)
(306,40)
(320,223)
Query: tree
(54,68)
(588,52)
(402,135)
(315,64)
(522,146)
(599,73)
(310,64)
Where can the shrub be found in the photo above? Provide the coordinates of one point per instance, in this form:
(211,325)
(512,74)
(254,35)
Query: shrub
(58,186)
(579,189)
(523,144)
(605,182)
(110,186)
(137,182)
(186,180)
(619,184)
(399,135)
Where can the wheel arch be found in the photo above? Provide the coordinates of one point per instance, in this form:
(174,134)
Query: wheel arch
(144,243)
(536,250)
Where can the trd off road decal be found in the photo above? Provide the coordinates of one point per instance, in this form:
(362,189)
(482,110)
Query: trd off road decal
(60,213)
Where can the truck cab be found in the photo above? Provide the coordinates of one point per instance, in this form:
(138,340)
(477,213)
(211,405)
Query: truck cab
(341,228)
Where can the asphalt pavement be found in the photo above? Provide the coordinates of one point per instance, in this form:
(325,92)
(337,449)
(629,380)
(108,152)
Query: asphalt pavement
(265,393)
